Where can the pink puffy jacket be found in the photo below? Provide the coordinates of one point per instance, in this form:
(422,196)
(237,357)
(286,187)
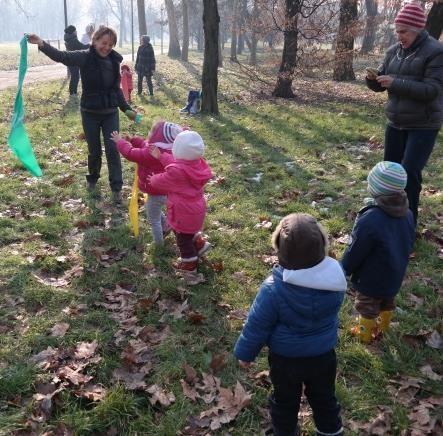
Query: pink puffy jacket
(138,151)
(183,180)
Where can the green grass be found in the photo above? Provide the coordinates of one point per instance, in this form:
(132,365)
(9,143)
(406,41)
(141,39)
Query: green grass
(307,150)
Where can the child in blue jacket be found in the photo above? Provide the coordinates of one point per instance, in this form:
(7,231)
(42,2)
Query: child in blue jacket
(295,314)
(379,248)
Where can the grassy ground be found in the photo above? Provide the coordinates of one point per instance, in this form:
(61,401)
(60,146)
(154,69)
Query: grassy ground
(67,257)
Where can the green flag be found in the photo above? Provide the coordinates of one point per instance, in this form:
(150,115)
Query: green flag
(18,139)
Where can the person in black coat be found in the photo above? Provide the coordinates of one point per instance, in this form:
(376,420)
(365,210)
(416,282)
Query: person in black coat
(145,64)
(101,98)
(72,43)
(412,75)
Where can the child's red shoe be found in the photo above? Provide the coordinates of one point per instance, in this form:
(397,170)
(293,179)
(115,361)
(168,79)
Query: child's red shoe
(186,266)
(201,244)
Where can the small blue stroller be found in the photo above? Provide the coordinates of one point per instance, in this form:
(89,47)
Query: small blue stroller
(194,103)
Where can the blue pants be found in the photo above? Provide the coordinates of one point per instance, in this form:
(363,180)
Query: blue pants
(412,149)
(93,125)
(156,217)
(317,375)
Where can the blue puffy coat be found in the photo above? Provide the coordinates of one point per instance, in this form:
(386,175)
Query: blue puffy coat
(295,312)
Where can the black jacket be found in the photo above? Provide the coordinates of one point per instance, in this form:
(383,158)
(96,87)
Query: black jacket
(378,251)
(94,96)
(415,98)
(145,61)
(72,43)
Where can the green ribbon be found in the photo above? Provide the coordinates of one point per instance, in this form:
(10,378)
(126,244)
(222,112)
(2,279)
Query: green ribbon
(18,139)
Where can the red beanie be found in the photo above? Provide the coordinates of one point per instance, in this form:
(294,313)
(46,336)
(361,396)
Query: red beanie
(411,15)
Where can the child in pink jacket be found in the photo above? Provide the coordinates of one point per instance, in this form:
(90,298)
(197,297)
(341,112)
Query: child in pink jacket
(185,175)
(126,82)
(161,136)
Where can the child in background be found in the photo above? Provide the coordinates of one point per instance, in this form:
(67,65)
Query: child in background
(161,136)
(183,180)
(295,314)
(126,82)
(379,248)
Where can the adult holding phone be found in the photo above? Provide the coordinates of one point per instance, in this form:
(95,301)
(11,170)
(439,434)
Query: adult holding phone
(101,98)
(412,74)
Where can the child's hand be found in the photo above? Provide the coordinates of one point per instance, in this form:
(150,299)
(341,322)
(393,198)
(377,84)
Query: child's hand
(155,152)
(115,136)
(127,138)
(244,364)
(131,114)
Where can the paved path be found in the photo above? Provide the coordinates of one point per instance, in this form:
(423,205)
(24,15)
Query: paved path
(39,74)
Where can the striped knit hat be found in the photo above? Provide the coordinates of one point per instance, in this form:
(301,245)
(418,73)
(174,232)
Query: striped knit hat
(163,134)
(412,16)
(386,178)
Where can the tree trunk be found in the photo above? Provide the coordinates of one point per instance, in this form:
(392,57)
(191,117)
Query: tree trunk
(211,21)
(220,49)
(283,87)
(371,26)
(254,35)
(185,47)
(234,30)
(434,23)
(200,39)
(174,51)
(142,29)
(122,23)
(344,52)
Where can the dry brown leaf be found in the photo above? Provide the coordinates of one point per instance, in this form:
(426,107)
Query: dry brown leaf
(75,309)
(159,395)
(131,380)
(240,314)
(217,362)
(189,391)
(427,371)
(85,350)
(435,340)
(73,376)
(91,392)
(191,373)
(196,317)
(59,330)
(46,358)
(193,278)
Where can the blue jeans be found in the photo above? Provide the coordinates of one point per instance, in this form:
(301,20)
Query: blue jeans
(317,375)
(412,149)
(93,125)
(156,217)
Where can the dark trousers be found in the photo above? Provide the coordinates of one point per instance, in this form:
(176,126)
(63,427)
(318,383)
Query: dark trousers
(74,73)
(317,375)
(185,244)
(370,307)
(412,149)
(148,80)
(93,125)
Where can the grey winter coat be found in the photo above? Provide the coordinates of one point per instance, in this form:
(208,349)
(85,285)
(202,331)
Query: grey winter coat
(415,98)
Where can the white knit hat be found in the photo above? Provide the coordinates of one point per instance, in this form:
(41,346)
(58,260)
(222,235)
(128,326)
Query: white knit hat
(188,145)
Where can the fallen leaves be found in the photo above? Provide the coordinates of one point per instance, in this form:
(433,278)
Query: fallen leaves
(59,330)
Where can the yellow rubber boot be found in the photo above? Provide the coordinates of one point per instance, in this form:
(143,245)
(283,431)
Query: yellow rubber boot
(364,329)
(385,320)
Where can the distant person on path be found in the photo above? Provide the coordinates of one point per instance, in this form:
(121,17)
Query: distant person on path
(145,64)
(412,73)
(101,98)
(72,43)
(136,149)
(379,248)
(186,173)
(87,37)
(295,314)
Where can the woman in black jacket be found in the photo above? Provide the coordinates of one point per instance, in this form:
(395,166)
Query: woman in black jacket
(145,64)
(412,73)
(72,43)
(101,98)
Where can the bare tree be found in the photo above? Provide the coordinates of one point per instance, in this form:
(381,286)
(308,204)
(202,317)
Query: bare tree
(283,88)
(344,52)
(370,27)
(185,47)
(118,10)
(234,30)
(434,23)
(211,21)
(174,50)
(142,29)
(254,24)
